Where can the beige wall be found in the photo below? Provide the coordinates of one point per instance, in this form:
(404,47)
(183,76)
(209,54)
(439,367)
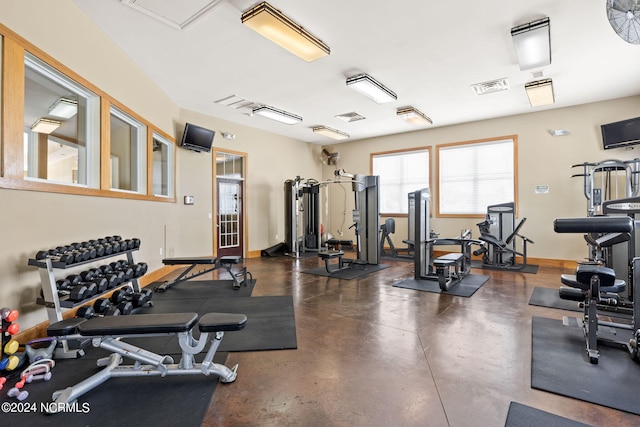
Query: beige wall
(542,160)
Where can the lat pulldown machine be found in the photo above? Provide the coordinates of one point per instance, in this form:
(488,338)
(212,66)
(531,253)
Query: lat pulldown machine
(366,222)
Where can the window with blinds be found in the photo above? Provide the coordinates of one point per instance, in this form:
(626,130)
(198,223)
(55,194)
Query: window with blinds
(400,172)
(473,175)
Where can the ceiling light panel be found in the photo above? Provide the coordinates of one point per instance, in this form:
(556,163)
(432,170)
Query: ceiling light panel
(47,126)
(414,116)
(64,108)
(330,132)
(540,92)
(371,88)
(532,42)
(285,32)
(277,115)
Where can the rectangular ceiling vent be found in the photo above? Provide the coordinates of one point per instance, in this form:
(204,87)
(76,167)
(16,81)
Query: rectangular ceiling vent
(350,117)
(234,102)
(176,14)
(490,86)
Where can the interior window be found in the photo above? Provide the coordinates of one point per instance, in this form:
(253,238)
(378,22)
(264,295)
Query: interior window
(61,127)
(127,153)
(163,161)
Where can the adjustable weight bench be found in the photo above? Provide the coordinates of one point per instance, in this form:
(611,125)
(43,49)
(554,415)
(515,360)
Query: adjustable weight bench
(213,263)
(110,332)
(341,264)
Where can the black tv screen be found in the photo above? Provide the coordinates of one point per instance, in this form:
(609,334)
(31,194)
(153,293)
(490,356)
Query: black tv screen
(197,138)
(620,134)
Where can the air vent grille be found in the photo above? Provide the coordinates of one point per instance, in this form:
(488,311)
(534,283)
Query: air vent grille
(490,86)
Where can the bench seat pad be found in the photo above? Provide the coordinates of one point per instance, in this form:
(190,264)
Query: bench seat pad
(189,260)
(138,324)
(216,322)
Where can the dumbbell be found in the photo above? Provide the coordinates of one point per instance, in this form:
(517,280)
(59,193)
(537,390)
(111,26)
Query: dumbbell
(8,315)
(137,299)
(110,308)
(124,267)
(65,258)
(140,269)
(76,289)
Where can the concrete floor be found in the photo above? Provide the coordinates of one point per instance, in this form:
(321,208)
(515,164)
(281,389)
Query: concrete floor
(370,354)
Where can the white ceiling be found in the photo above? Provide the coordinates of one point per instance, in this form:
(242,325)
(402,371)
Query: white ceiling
(428,52)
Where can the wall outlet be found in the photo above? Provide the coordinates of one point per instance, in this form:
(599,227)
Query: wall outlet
(276,237)
(160,251)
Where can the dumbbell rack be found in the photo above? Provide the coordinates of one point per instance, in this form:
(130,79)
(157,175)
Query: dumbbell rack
(55,304)
(52,301)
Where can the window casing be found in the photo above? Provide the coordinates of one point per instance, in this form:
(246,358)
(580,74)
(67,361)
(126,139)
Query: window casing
(128,157)
(401,172)
(473,175)
(163,158)
(70,153)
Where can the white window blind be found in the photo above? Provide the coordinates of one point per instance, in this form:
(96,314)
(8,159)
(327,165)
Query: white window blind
(400,173)
(475,175)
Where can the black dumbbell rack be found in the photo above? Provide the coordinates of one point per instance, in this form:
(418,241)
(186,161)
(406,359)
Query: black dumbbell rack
(55,303)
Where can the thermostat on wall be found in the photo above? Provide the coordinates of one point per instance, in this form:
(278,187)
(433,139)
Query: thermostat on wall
(189,200)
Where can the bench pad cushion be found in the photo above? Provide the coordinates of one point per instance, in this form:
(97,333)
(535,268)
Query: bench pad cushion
(138,324)
(330,254)
(450,258)
(215,322)
(65,327)
(191,260)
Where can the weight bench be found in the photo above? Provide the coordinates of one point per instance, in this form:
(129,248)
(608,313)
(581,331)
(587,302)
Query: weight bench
(214,263)
(341,265)
(110,332)
(443,265)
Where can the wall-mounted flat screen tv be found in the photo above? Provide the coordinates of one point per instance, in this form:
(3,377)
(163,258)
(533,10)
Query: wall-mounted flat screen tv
(197,138)
(620,134)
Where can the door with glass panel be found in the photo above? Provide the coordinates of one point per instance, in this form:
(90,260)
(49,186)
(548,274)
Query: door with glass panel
(229,222)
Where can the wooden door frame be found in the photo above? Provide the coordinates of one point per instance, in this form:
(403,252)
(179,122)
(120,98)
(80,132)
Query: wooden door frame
(214,180)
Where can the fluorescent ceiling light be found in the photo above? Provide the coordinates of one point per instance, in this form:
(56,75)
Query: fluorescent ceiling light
(540,92)
(413,115)
(45,125)
(533,44)
(274,25)
(330,132)
(369,87)
(278,115)
(64,108)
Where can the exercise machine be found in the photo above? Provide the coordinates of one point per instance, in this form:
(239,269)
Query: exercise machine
(112,333)
(366,222)
(302,216)
(499,233)
(608,180)
(239,278)
(448,269)
(596,288)
(386,230)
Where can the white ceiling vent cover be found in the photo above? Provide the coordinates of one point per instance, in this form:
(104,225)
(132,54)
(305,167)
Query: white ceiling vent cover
(490,86)
(350,117)
(176,14)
